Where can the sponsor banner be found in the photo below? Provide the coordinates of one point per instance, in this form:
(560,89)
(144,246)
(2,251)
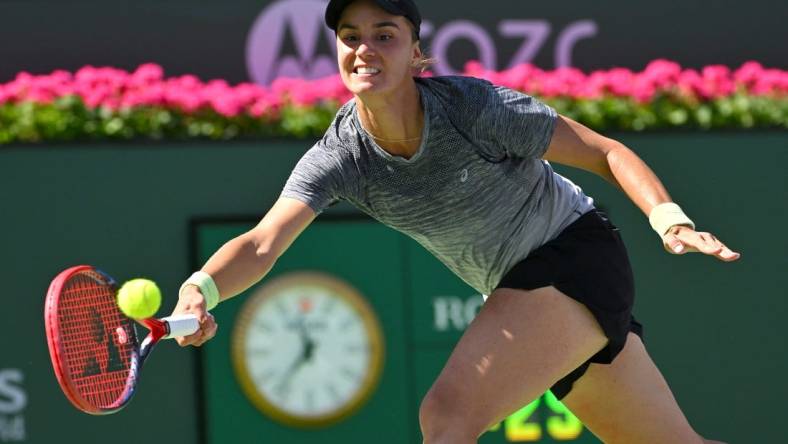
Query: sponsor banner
(13,401)
(259,41)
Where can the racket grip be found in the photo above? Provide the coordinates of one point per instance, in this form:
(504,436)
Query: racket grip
(181,325)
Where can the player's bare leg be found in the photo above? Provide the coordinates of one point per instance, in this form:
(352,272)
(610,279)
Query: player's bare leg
(629,402)
(519,344)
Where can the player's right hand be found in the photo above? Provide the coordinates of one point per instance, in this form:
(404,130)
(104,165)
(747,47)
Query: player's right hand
(681,239)
(191,301)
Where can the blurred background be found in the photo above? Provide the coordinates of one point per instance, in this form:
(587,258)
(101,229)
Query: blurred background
(139,136)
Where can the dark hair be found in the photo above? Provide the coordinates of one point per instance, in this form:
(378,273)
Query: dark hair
(414,32)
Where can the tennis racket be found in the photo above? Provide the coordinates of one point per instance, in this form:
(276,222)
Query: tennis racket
(95,350)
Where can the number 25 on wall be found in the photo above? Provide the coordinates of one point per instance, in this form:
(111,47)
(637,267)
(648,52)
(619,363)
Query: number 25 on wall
(561,424)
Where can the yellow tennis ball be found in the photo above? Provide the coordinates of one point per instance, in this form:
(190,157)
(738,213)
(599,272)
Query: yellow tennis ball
(139,298)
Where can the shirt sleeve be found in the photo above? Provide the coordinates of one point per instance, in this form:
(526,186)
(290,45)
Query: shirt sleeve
(520,124)
(316,180)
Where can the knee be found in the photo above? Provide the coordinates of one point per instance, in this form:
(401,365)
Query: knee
(445,417)
(434,414)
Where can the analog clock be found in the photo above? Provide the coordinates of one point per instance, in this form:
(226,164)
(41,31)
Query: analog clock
(307,349)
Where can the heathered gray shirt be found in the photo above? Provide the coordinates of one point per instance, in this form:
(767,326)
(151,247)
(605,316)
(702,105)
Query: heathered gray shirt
(477,194)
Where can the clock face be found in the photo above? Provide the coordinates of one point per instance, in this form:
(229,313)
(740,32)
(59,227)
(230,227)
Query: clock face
(307,349)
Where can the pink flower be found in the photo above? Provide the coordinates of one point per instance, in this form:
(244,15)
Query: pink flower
(65,89)
(476,69)
(40,95)
(333,88)
(146,74)
(517,77)
(305,96)
(61,77)
(94,99)
(782,82)
(690,83)
(748,74)
(112,103)
(153,95)
(226,105)
(620,81)
(17,89)
(182,99)
(132,99)
(717,81)
(189,103)
(247,93)
(147,86)
(306,93)
(86,75)
(266,105)
(188,82)
(771,81)
(284,85)
(662,73)
(643,90)
(594,87)
(562,82)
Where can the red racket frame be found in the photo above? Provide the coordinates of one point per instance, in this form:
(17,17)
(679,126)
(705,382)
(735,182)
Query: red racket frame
(139,352)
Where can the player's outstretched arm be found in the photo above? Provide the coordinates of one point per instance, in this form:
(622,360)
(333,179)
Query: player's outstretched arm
(576,145)
(243,261)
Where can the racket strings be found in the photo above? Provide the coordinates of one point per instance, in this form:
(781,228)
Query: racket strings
(98,363)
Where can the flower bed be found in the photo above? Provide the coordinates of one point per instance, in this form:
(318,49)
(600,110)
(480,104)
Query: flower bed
(111,104)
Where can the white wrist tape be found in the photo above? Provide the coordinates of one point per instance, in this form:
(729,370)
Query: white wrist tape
(666,215)
(207,286)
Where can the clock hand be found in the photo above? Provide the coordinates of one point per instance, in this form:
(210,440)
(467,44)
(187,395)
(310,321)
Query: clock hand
(307,349)
(291,371)
(309,343)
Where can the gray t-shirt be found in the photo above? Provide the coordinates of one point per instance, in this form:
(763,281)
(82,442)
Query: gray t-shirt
(477,194)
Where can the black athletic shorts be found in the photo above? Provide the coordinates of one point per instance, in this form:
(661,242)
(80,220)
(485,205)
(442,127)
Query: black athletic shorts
(588,262)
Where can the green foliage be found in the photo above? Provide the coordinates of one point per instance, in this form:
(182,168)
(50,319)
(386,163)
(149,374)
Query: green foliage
(739,111)
(68,119)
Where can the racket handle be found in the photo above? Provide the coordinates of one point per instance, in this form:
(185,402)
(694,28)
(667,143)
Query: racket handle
(181,325)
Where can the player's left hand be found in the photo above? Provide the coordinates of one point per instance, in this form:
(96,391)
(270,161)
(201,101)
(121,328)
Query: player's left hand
(681,239)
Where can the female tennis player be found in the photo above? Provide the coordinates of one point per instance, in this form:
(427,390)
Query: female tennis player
(462,167)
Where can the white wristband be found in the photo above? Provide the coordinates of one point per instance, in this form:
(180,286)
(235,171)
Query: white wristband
(666,215)
(207,286)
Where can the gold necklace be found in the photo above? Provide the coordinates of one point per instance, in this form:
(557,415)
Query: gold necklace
(389,140)
(393,140)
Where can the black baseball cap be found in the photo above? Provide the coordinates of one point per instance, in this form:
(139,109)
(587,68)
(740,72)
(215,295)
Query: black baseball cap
(405,8)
